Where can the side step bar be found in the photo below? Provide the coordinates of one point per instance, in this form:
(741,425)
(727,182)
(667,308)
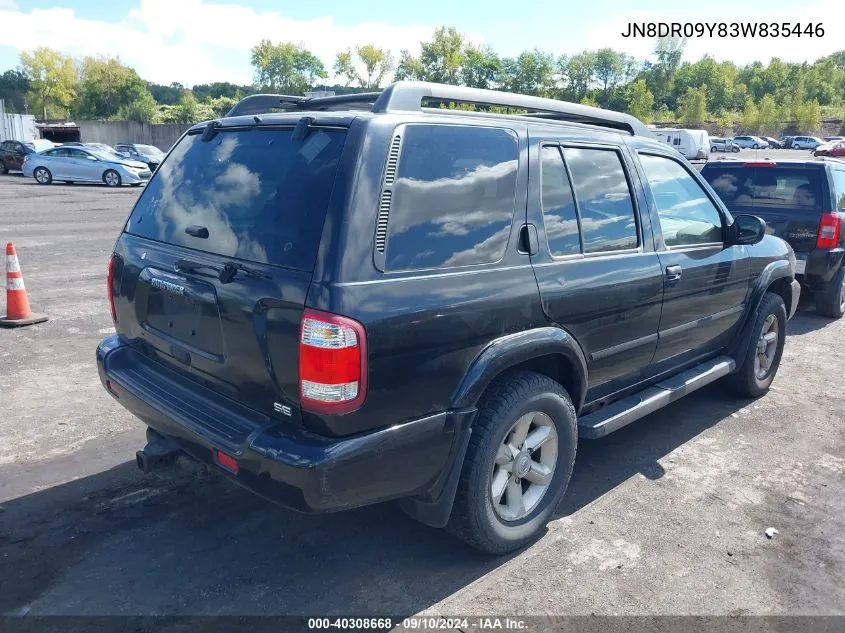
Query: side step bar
(614,416)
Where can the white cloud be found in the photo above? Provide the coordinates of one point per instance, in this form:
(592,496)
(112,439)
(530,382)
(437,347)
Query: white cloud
(738,50)
(192,41)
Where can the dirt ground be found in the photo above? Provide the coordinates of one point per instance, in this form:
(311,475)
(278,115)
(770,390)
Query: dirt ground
(666,516)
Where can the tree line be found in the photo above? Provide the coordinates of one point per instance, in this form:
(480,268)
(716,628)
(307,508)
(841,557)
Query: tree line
(757,97)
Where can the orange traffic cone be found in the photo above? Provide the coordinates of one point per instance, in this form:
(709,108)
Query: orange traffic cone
(17,303)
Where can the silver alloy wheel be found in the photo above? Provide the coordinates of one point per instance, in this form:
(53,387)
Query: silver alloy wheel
(524,466)
(112,179)
(767,346)
(41,176)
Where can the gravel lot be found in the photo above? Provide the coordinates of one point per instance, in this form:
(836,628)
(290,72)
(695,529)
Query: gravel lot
(666,516)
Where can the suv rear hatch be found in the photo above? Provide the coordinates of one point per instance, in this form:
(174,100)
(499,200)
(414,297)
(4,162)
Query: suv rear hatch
(790,197)
(213,267)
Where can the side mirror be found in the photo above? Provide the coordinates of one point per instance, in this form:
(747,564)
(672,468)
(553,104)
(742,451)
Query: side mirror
(747,229)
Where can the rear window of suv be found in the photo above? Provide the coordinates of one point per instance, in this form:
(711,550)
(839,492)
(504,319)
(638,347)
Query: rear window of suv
(261,195)
(776,187)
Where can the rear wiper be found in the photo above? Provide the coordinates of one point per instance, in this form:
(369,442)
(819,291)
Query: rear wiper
(231,269)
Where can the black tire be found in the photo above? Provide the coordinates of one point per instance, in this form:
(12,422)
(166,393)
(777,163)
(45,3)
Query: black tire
(735,150)
(745,381)
(47,176)
(112,178)
(3,168)
(473,519)
(830,301)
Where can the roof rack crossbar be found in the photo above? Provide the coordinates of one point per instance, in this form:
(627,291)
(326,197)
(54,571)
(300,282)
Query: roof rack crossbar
(409,95)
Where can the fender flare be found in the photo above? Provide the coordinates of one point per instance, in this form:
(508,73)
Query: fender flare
(774,271)
(511,350)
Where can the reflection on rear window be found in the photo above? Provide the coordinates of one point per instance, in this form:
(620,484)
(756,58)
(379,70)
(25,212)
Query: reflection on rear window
(767,187)
(261,195)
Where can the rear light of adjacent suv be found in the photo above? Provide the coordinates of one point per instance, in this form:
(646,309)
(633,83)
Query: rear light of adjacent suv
(828,231)
(110,285)
(332,363)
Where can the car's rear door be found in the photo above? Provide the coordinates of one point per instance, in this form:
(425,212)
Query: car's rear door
(596,268)
(217,257)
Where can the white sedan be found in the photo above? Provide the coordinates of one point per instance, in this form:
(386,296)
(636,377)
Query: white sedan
(82,164)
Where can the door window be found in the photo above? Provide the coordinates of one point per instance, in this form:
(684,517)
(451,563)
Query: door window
(603,198)
(687,216)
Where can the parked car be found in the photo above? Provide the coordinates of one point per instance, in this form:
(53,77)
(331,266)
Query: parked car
(12,155)
(750,142)
(148,154)
(82,164)
(335,308)
(803,202)
(834,149)
(806,142)
(722,145)
(773,142)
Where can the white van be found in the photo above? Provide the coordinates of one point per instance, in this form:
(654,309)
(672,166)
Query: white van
(693,144)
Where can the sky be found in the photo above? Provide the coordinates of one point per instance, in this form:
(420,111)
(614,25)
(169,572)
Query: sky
(199,41)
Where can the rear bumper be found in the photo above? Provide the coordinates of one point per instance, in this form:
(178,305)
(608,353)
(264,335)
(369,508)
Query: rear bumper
(278,460)
(819,266)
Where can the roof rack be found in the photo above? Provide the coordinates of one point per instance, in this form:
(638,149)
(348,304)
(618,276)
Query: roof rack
(415,96)
(264,103)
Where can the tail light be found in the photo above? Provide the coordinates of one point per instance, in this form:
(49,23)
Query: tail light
(332,363)
(110,286)
(828,231)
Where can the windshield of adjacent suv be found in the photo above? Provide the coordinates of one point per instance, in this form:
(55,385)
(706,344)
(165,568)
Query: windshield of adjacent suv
(766,187)
(261,195)
(150,150)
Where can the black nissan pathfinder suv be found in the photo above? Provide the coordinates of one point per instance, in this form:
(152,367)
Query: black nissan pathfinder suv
(344,300)
(803,202)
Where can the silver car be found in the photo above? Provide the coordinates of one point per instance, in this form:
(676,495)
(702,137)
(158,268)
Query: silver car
(84,164)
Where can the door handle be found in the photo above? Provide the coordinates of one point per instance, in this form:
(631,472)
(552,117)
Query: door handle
(673,273)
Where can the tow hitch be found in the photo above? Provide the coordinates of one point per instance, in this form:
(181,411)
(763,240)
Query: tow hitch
(159,453)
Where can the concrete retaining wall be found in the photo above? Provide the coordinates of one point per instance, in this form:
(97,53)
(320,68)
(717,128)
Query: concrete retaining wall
(162,136)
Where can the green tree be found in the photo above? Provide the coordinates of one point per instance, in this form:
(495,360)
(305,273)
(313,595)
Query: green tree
(187,110)
(719,78)
(105,86)
(285,67)
(409,68)
(579,75)
(443,56)
(532,73)
(14,84)
(482,67)
(52,81)
(750,117)
(640,101)
(692,107)
(725,121)
(166,95)
(377,62)
(808,117)
(143,109)
(661,75)
(610,69)
(344,67)
(768,115)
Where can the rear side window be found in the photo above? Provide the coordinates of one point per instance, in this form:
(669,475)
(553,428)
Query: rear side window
(604,199)
(767,187)
(453,198)
(261,195)
(559,216)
